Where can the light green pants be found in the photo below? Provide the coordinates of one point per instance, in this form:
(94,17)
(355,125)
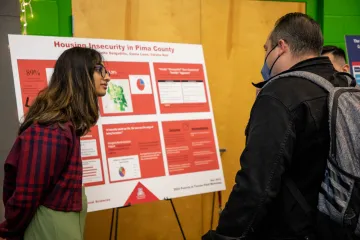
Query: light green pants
(48,224)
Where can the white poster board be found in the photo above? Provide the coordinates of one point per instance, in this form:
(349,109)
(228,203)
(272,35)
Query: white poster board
(159,141)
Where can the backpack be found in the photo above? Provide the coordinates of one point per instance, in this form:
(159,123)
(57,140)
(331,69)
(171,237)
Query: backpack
(339,198)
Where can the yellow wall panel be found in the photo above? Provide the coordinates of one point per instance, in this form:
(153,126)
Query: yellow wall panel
(99,19)
(144,20)
(232,33)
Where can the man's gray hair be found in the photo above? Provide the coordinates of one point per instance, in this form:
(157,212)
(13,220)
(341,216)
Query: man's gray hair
(301,32)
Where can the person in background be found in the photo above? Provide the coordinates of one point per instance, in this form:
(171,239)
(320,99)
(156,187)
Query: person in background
(43,193)
(287,141)
(337,57)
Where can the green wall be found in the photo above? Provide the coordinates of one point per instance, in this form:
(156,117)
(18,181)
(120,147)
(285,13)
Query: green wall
(341,17)
(51,18)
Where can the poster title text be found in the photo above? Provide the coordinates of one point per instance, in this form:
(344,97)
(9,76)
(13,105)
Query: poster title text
(116,47)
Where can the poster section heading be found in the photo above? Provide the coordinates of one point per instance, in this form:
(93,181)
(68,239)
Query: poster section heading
(155,137)
(353,51)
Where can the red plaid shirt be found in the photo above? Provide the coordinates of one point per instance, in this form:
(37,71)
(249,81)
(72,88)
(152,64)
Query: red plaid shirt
(43,168)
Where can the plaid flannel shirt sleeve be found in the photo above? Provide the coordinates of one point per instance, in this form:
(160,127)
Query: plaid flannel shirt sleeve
(38,152)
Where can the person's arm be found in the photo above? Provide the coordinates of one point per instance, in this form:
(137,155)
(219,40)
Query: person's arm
(40,151)
(269,147)
(10,171)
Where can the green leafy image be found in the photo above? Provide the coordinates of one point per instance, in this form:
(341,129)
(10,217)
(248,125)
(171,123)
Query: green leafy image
(117,95)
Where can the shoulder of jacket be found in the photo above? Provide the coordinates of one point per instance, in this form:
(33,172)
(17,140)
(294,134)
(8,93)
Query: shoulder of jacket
(292,91)
(57,130)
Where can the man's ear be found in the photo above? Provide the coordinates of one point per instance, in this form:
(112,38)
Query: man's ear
(346,68)
(283,46)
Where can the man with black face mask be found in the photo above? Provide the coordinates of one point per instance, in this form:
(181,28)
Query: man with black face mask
(287,141)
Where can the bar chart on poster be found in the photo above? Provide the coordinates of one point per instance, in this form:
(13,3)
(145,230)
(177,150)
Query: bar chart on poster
(156,136)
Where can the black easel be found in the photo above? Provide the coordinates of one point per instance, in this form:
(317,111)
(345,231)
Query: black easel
(222,150)
(115,211)
(177,217)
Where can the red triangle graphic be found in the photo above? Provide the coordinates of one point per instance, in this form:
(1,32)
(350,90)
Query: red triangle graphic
(140,195)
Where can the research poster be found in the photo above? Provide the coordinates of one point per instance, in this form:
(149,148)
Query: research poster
(353,51)
(156,136)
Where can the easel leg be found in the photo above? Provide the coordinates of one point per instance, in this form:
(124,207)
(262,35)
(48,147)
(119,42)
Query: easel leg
(116,215)
(116,223)
(112,223)
(212,210)
(220,203)
(177,218)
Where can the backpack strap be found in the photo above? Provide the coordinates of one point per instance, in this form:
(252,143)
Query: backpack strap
(294,190)
(318,80)
(303,221)
(349,78)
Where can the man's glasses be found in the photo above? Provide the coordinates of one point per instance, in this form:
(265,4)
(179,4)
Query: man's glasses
(102,70)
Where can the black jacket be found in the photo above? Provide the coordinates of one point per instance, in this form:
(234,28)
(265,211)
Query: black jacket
(287,136)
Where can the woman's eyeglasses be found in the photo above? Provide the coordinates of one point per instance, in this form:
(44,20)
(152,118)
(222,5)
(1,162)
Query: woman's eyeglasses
(102,70)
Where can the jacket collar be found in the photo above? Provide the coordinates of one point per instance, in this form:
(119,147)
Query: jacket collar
(301,66)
